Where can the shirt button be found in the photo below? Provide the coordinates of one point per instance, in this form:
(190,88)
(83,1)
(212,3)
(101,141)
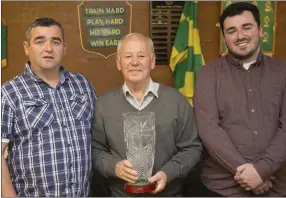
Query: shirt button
(250,90)
(255,132)
(252,110)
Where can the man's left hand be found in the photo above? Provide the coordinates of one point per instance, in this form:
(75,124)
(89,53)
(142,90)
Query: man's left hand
(161,179)
(247,176)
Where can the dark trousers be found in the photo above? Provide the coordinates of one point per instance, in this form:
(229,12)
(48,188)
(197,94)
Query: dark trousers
(208,193)
(196,188)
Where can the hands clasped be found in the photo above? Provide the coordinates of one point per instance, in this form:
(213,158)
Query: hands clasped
(248,178)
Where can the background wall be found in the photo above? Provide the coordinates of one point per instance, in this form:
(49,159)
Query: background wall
(101,72)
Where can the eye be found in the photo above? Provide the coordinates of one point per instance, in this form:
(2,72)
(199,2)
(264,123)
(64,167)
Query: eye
(231,32)
(56,42)
(247,28)
(39,42)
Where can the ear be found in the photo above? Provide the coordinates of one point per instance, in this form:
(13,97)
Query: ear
(65,48)
(260,30)
(153,61)
(118,63)
(223,37)
(26,46)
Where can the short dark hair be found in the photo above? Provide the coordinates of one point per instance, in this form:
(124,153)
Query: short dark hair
(236,9)
(43,22)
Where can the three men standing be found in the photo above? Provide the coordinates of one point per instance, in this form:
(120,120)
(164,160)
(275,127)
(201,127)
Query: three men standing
(240,111)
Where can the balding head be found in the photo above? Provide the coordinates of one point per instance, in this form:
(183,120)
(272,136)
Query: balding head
(138,35)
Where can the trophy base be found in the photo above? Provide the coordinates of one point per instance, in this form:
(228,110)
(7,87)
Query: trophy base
(140,189)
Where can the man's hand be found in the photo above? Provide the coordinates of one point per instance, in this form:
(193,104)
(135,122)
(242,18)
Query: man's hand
(161,179)
(247,176)
(124,170)
(6,185)
(262,188)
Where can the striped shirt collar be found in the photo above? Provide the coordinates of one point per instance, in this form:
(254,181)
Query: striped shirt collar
(152,88)
(64,74)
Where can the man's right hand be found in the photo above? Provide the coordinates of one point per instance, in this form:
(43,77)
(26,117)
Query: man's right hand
(124,170)
(6,185)
(264,187)
(247,176)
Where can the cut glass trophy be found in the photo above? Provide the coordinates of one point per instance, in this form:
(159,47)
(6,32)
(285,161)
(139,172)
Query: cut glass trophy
(139,138)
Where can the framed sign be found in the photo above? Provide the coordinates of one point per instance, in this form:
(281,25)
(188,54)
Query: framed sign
(267,11)
(102,24)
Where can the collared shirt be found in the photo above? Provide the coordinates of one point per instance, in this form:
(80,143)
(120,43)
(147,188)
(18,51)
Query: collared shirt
(150,93)
(49,134)
(241,118)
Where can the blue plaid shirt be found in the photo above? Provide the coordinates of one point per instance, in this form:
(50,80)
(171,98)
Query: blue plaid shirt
(49,134)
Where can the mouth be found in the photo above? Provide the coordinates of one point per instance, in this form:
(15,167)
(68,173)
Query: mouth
(48,57)
(242,43)
(134,70)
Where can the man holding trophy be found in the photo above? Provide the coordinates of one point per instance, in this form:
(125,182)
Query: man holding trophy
(144,134)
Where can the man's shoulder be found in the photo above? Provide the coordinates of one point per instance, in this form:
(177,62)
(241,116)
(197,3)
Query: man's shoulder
(12,90)
(77,76)
(167,89)
(81,80)
(214,64)
(15,83)
(274,62)
(170,93)
(111,94)
(214,67)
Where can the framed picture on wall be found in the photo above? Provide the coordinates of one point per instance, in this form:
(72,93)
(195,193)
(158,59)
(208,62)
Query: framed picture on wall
(164,19)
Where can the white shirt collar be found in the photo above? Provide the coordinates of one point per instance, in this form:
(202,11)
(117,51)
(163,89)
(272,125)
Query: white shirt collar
(152,87)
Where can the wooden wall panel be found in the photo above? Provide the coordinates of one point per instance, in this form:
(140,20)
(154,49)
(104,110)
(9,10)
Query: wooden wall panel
(280,40)
(101,72)
(208,17)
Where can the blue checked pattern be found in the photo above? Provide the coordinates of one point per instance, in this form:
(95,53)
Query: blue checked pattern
(50,134)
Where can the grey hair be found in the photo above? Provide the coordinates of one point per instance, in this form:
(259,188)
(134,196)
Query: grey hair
(42,22)
(149,41)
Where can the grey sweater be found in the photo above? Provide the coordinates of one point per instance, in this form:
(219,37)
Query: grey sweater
(178,148)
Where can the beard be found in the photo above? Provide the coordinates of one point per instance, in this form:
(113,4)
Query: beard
(247,54)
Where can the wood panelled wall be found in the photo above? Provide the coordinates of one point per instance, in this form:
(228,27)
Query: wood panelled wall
(101,72)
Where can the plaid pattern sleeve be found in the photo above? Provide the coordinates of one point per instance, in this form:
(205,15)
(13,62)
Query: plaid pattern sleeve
(49,133)
(7,115)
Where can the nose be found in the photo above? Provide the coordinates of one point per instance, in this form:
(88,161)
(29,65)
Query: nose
(48,46)
(135,61)
(241,33)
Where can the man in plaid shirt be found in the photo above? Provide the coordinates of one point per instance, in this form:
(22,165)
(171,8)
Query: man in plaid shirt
(46,121)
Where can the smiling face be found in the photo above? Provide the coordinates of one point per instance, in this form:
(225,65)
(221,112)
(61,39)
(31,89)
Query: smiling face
(135,59)
(45,48)
(242,36)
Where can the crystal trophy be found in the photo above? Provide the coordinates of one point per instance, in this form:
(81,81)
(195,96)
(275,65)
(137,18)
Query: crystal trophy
(139,138)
